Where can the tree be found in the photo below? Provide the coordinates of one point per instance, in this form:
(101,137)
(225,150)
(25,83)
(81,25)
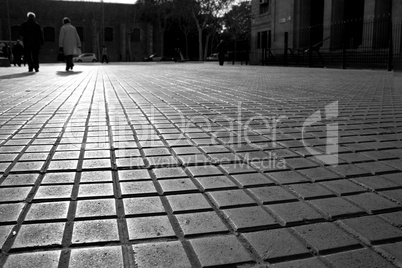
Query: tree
(202,12)
(159,12)
(238,23)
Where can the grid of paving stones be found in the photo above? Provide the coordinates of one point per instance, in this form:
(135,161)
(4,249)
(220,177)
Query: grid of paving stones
(197,165)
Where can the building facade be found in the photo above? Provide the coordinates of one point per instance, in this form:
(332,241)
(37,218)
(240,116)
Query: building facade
(290,26)
(117,26)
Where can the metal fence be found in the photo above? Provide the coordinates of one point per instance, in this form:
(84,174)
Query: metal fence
(357,43)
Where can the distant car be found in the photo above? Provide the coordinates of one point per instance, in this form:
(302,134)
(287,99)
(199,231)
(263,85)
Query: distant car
(86,57)
(155,57)
(212,57)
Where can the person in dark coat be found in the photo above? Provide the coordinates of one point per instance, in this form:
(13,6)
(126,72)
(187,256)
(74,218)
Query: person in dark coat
(33,39)
(18,50)
(6,52)
(222,49)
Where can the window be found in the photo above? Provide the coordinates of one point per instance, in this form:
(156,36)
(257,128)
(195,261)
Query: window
(108,34)
(264,6)
(136,36)
(49,34)
(80,32)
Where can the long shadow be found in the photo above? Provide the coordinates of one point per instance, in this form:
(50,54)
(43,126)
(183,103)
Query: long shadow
(13,76)
(61,73)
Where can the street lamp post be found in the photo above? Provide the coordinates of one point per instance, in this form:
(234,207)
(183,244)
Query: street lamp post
(9,23)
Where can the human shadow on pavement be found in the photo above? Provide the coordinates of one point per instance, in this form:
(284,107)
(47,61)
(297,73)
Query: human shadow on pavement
(61,73)
(13,76)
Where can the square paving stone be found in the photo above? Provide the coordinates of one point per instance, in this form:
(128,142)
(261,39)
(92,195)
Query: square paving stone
(287,177)
(54,192)
(326,237)
(67,155)
(109,256)
(274,245)
(194,159)
(215,182)
(169,173)
(375,167)
(96,163)
(132,162)
(95,208)
(95,231)
(10,212)
(57,178)
(162,254)
(394,194)
(48,211)
(238,168)
(336,207)
(373,229)
(310,190)
(319,174)
(253,179)
(395,178)
(177,186)
(149,227)
(349,170)
(14,193)
(5,231)
(95,190)
(361,258)
(300,163)
(188,202)
(28,166)
(4,166)
(138,188)
(201,223)
(134,175)
(249,217)
(220,250)
(344,187)
(186,150)
(295,213)
(44,259)
(39,235)
(214,149)
(373,203)
(127,153)
(272,194)
(230,198)
(204,171)
(160,161)
(395,249)
(20,179)
(97,154)
(63,165)
(393,217)
(143,205)
(96,176)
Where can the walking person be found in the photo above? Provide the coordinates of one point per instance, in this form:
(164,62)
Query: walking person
(222,49)
(18,50)
(33,39)
(104,54)
(6,52)
(69,42)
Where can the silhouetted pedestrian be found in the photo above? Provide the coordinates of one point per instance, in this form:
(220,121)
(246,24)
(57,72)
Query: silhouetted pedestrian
(33,39)
(18,50)
(69,42)
(104,54)
(222,49)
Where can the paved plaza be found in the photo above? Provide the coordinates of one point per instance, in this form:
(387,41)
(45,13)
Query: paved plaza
(198,165)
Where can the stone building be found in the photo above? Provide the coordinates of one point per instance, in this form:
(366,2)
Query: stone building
(115,25)
(327,24)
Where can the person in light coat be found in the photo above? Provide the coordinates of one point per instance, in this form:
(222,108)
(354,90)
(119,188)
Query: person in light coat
(69,42)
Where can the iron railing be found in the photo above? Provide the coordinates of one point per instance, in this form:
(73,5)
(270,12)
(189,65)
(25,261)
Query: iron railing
(375,43)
